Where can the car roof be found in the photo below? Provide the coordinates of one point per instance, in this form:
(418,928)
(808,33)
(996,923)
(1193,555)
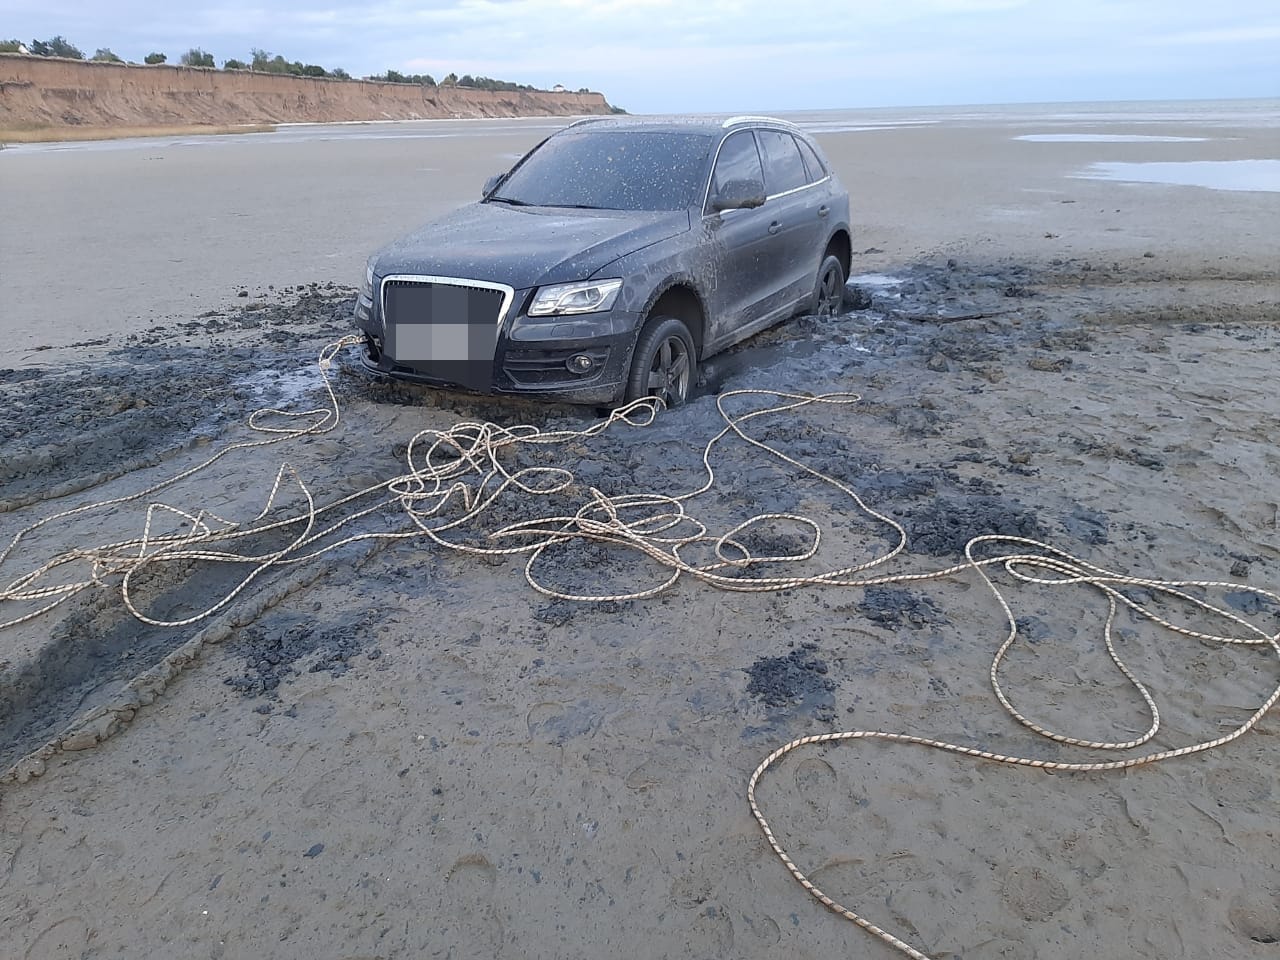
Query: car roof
(713,125)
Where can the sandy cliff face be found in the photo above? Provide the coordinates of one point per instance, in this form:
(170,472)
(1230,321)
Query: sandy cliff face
(40,91)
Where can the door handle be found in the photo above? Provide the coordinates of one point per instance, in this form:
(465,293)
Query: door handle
(775,226)
(823,210)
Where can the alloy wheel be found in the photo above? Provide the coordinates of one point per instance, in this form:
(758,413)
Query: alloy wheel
(669,374)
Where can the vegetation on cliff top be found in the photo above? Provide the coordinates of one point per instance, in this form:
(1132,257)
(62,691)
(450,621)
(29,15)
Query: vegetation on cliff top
(262,61)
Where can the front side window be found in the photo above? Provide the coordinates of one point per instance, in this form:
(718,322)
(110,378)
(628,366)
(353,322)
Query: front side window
(739,160)
(783,165)
(611,170)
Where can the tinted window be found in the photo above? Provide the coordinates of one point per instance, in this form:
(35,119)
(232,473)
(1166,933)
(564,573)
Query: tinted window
(614,170)
(738,160)
(816,170)
(783,165)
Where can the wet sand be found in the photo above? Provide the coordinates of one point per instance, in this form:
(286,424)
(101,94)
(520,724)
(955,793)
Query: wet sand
(400,751)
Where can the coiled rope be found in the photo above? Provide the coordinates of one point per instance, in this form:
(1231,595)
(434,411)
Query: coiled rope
(454,477)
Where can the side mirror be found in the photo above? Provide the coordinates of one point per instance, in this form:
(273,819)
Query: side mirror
(492,184)
(738,195)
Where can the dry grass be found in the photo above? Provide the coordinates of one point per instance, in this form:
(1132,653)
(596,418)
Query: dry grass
(37,133)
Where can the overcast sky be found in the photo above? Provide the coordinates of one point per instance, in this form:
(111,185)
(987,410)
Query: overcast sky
(710,55)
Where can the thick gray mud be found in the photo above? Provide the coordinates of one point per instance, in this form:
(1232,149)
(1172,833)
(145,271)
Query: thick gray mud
(922,346)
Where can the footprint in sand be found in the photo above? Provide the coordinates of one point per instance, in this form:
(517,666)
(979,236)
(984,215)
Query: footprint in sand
(554,723)
(816,781)
(469,898)
(1232,786)
(1033,894)
(711,933)
(1256,916)
(67,938)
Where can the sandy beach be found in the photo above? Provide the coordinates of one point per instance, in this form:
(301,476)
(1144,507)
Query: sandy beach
(394,749)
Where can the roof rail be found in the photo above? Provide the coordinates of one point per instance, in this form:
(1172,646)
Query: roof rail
(747,118)
(586,120)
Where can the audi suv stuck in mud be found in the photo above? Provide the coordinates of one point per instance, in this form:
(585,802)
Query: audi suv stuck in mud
(611,259)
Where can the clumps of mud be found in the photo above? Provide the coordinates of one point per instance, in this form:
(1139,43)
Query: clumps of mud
(283,646)
(288,318)
(1119,451)
(895,606)
(1088,526)
(796,678)
(943,526)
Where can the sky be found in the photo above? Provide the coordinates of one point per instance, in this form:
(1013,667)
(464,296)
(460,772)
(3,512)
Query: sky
(658,56)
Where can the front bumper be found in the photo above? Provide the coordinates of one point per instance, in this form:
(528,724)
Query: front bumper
(530,358)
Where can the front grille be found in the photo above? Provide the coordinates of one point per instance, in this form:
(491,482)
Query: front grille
(443,328)
(438,301)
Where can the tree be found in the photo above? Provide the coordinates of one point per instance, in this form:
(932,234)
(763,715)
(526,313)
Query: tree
(154,58)
(103,55)
(11,46)
(234,65)
(467,80)
(195,57)
(259,59)
(339,73)
(450,81)
(56,47)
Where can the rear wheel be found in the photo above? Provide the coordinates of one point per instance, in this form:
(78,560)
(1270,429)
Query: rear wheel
(828,297)
(664,364)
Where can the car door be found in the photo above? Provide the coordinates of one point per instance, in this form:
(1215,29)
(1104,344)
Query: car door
(736,245)
(798,218)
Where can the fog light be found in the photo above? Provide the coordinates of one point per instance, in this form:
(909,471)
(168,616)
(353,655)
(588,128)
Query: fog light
(579,363)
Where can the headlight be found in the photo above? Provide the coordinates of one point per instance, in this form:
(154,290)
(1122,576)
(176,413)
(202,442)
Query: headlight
(590,296)
(366,288)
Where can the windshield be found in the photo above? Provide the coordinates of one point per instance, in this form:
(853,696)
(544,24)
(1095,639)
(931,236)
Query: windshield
(611,170)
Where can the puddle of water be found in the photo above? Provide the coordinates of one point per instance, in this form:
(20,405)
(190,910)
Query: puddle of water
(1104,138)
(282,388)
(875,280)
(1259,175)
(861,127)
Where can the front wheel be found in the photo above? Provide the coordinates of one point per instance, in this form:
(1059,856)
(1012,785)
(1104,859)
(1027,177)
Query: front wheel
(828,296)
(664,364)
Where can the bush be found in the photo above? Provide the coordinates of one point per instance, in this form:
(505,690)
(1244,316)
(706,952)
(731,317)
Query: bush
(395,76)
(195,57)
(339,73)
(234,65)
(154,58)
(10,46)
(103,55)
(56,47)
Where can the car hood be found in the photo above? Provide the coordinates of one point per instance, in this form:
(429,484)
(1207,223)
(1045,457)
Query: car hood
(526,246)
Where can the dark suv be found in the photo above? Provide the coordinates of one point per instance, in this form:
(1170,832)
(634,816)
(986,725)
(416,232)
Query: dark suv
(611,259)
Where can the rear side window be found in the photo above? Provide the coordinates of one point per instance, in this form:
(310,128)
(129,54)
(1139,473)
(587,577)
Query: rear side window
(816,170)
(738,160)
(783,166)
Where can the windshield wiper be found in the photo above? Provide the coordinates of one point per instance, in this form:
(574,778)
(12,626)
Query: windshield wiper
(511,200)
(581,206)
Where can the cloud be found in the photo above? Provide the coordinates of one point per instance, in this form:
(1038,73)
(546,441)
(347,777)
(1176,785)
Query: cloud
(667,55)
(1258,33)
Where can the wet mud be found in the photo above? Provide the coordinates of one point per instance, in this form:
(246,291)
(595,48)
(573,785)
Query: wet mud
(921,345)
(517,755)
(175,387)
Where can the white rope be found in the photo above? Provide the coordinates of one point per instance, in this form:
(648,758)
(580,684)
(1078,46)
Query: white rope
(455,477)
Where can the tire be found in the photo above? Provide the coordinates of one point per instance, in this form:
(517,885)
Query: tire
(664,364)
(828,292)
